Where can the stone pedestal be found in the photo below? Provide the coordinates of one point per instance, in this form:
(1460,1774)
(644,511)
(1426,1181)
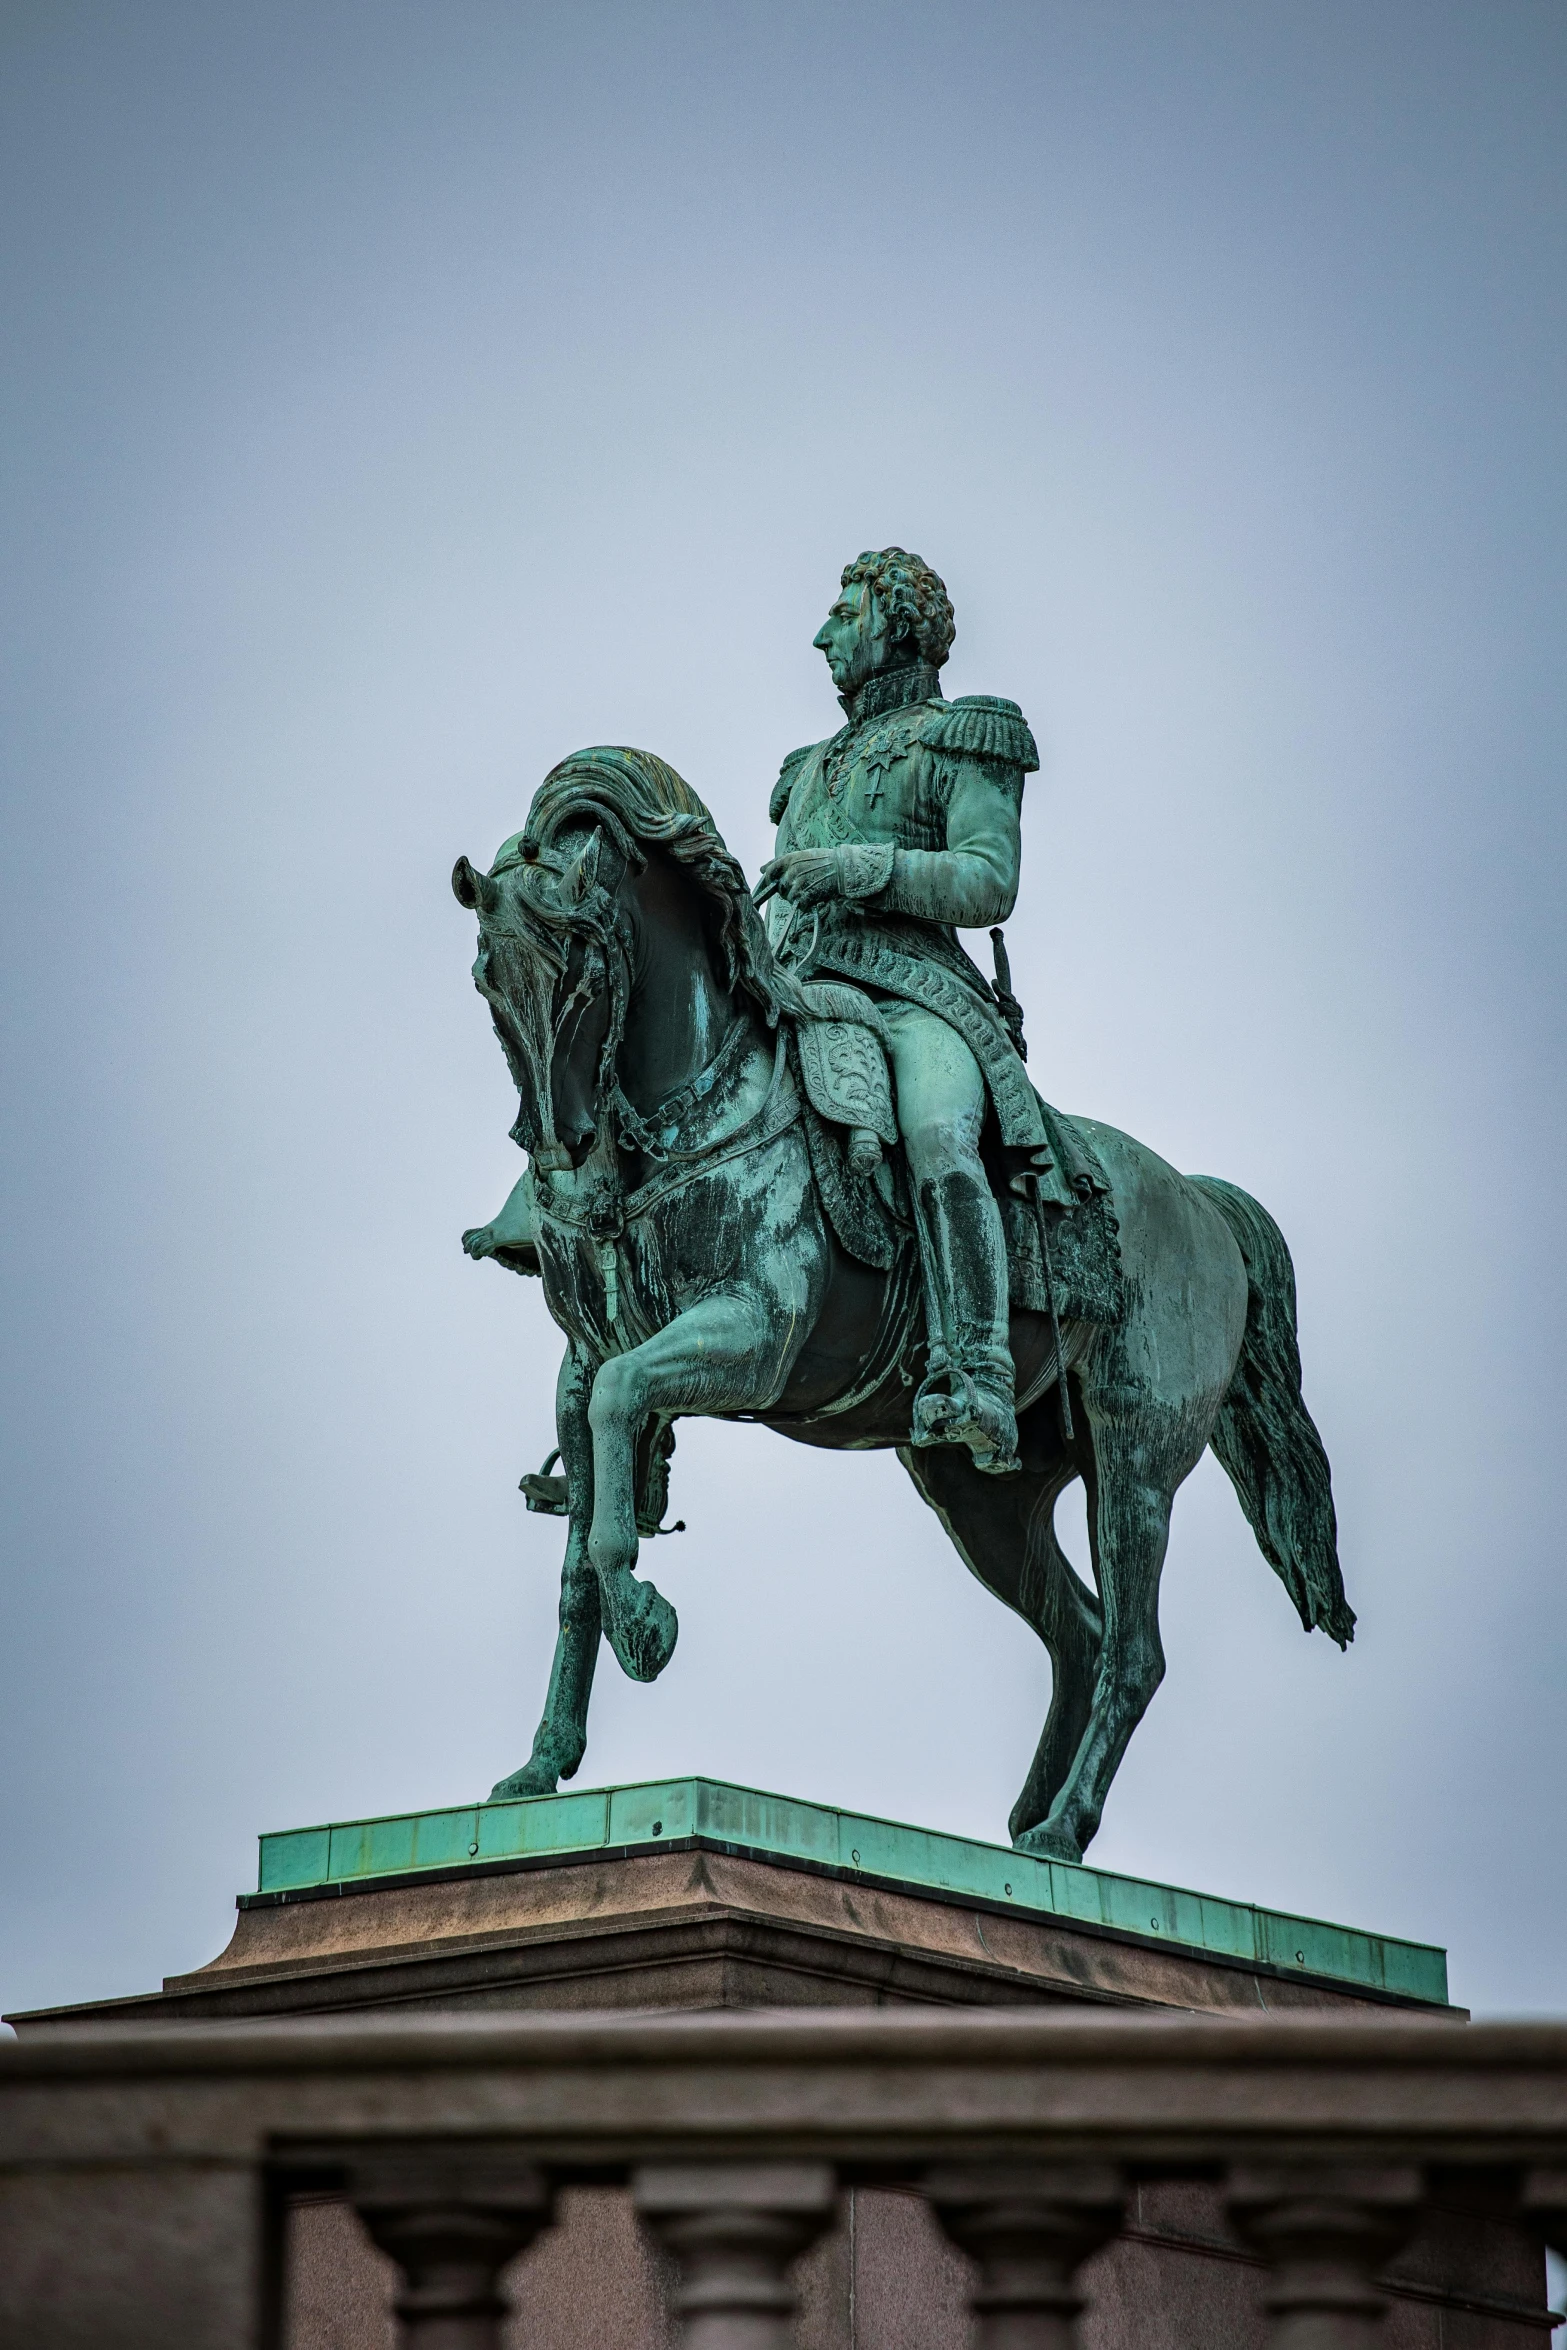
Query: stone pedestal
(690,1928)
(693,1895)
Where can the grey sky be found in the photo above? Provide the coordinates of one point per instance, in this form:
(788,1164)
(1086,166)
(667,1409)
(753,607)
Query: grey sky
(397,397)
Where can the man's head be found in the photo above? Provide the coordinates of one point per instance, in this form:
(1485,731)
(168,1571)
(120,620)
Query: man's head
(891,610)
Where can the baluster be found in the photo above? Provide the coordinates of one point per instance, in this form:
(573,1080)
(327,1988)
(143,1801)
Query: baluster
(1326,2231)
(451,2218)
(1028,2228)
(1544,2207)
(733,2230)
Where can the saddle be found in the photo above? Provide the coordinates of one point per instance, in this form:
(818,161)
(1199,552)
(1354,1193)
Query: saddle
(851,1128)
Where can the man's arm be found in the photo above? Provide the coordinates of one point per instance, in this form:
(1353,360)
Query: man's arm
(973,881)
(970,883)
(986,749)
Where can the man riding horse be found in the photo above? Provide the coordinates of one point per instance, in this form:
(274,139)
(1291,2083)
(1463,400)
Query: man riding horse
(894,834)
(704,1108)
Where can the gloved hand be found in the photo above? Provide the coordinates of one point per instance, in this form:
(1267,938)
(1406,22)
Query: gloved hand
(806,877)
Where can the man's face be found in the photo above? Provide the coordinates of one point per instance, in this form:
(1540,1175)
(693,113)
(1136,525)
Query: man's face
(854,636)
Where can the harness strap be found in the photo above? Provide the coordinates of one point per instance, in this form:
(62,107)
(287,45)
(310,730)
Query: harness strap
(654,1135)
(780,1111)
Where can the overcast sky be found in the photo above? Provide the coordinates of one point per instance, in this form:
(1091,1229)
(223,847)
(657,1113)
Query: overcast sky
(398,397)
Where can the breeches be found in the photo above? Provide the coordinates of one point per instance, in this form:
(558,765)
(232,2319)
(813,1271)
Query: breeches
(941,1115)
(940,1090)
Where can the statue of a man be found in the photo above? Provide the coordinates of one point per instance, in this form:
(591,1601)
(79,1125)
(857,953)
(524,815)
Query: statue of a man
(893,835)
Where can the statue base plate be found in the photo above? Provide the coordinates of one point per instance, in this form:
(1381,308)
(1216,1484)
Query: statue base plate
(690,1893)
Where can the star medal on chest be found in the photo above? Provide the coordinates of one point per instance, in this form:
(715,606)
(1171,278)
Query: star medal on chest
(880,750)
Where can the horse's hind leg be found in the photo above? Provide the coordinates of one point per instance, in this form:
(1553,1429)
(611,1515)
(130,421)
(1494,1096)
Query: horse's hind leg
(1069,1620)
(1004,1532)
(1131,1488)
(562,1734)
(1151,1390)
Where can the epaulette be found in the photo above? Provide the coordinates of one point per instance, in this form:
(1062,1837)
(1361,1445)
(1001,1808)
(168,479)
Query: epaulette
(785,784)
(983,726)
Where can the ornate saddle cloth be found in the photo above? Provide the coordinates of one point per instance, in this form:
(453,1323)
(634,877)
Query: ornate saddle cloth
(846,1086)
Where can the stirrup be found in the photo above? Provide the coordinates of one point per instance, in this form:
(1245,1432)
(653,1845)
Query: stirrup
(977,1415)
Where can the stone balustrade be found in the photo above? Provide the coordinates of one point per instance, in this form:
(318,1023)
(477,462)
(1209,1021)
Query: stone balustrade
(146,2172)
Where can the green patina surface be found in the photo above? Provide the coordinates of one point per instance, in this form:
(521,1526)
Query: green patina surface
(352,1853)
(796,1173)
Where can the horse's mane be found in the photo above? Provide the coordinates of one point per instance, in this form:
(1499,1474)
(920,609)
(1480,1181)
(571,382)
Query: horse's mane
(643,804)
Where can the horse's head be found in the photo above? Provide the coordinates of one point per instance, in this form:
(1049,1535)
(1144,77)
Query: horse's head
(618,918)
(552,967)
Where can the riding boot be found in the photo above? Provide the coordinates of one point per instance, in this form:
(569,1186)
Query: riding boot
(967,1395)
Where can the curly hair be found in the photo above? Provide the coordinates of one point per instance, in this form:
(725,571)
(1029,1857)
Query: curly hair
(909,592)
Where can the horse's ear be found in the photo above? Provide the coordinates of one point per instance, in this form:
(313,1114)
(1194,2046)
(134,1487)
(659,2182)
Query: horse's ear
(465,884)
(581,874)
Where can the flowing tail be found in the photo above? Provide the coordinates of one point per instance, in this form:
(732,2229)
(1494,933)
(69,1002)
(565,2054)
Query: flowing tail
(1265,1439)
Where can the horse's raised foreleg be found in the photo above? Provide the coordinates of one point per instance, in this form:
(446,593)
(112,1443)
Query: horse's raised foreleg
(721,1355)
(562,1733)
(1004,1532)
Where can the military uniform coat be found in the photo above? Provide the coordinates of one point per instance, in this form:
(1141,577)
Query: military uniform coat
(921,798)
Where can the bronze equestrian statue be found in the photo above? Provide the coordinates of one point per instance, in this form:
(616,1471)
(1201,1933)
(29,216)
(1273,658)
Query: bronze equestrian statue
(798,1175)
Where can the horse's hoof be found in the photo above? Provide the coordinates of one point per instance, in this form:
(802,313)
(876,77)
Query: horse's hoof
(643,1631)
(533,1779)
(1047,1843)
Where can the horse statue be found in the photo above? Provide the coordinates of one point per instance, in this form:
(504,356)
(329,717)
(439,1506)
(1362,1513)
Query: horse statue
(721,1230)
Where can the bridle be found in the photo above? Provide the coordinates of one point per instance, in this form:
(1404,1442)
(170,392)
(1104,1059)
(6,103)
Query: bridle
(545,935)
(608,1206)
